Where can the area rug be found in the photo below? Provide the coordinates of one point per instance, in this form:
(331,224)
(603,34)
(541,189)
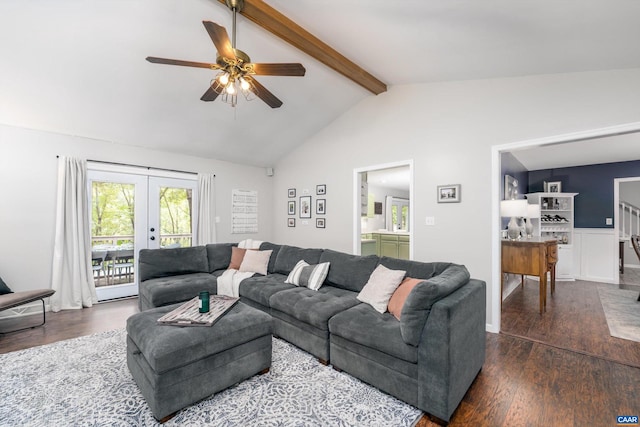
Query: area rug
(85,381)
(622,311)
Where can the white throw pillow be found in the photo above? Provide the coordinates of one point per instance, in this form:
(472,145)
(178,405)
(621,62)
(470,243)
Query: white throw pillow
(381,285)
(294,276)
(256,262)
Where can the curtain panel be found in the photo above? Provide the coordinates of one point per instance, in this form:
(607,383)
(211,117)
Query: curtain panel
(206,223)
(72,275)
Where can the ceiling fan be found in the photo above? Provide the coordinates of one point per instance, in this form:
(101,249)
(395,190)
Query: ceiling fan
(235,70)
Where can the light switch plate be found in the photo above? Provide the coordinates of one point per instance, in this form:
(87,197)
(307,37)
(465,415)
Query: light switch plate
(608,221)
(430,220)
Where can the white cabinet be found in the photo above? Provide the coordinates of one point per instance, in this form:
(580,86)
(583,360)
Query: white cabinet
(556,221)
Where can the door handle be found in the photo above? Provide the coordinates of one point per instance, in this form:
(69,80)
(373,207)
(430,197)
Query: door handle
(152,238)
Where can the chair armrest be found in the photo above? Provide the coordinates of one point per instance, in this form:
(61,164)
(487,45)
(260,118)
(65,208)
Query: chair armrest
(16,299)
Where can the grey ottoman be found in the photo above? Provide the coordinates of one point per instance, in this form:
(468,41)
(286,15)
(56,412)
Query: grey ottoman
(178,366)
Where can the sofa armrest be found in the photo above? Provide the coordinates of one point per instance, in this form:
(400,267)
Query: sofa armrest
(452,349)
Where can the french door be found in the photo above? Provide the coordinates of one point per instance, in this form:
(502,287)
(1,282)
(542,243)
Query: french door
(130,212)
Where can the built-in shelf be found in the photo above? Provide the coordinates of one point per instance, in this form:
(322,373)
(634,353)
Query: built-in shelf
(556,222)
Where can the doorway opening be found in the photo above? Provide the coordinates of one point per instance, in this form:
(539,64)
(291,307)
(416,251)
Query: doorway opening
(383,210)
(627,223)
(132,210)
(495,298)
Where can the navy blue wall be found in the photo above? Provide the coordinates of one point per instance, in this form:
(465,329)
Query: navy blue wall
(594,183)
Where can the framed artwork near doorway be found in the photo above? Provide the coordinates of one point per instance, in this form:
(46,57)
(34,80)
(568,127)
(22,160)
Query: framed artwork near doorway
(449,193)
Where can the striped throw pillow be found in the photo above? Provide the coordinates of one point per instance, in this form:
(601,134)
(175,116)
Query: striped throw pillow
(294,276)
(311,276)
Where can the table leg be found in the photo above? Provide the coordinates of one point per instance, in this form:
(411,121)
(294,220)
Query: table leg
(553,278)
(542,292)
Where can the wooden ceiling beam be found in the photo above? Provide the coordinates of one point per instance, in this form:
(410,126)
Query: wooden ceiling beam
(275,22)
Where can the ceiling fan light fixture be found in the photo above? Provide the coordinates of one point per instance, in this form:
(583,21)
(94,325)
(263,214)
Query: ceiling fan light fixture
(231,88)
(223,78)
(244,84)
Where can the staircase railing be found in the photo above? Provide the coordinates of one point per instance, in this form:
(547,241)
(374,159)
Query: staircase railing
(629,220)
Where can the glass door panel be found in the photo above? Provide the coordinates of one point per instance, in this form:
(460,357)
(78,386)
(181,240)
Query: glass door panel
(118,223)
(172,210)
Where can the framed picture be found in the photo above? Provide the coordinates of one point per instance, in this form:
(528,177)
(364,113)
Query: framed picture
(291,222)
(292,207)
(553,187)
(305,206)
(292,192)
(449,193)
(320,223)
(321,206)
(510,187)
(321,189)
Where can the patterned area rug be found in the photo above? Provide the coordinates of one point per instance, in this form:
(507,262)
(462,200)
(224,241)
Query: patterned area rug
(622,311)
(85,381)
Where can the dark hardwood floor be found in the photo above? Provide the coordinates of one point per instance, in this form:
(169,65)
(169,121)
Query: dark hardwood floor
(66,324)
(523,382)
(574,320)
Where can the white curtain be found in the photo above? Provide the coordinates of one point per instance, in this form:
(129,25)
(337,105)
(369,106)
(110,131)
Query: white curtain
(72,275)
(206,223)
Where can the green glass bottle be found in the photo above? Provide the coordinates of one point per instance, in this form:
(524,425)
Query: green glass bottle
(204,302)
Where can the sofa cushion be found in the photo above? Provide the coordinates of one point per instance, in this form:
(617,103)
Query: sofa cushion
(419,270)
(237,255)
(313,307)
(259,289)
(155,263)
(267,246)
(380,286)
(288,257)
(397,300)
(172,289)
(418,304)
(348,271)
(219,255)
(365,326)
(256,262)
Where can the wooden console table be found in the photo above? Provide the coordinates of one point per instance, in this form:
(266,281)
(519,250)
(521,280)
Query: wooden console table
(533,257)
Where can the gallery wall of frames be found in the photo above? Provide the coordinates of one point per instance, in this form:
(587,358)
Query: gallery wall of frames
(307,206)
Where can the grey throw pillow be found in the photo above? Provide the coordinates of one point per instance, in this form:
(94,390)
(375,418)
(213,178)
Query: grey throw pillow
(4,289)
(417,307)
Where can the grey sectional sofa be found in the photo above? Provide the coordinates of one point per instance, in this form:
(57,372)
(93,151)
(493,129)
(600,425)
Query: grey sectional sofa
(428,359)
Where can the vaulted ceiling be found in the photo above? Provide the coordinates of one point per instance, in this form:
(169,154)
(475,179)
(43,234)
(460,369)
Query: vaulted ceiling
(77,66)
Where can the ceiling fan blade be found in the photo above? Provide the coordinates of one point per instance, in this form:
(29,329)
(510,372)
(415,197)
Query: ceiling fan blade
(220,39)
(183,63)
(262,93)
(212,93)
(279,69)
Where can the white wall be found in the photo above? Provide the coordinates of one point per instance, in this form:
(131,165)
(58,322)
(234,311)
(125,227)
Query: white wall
(28,170)
(447,129)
